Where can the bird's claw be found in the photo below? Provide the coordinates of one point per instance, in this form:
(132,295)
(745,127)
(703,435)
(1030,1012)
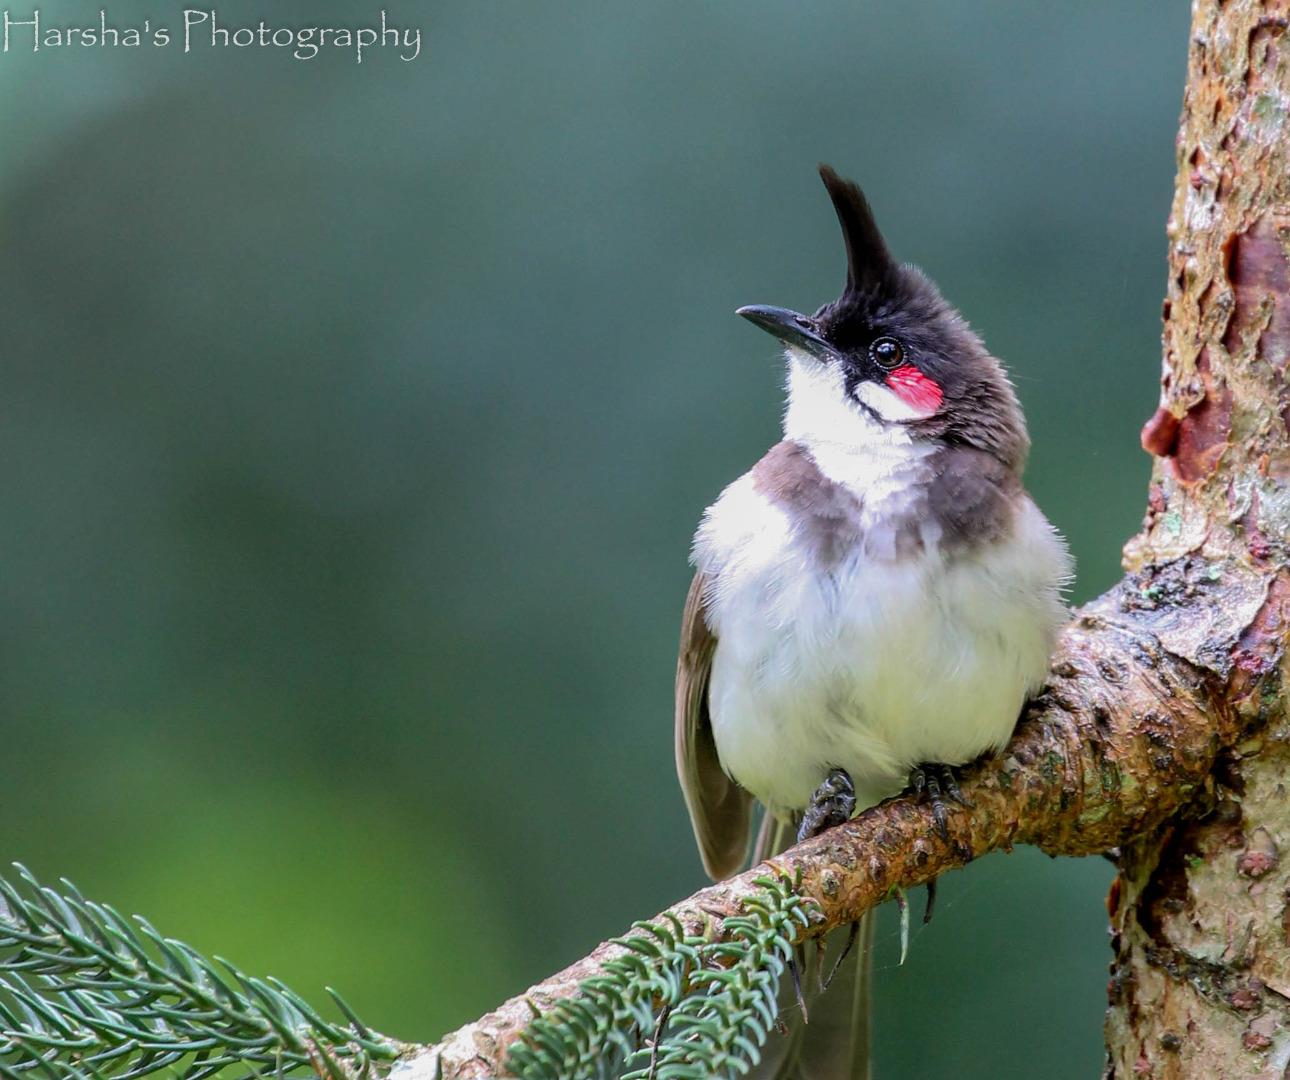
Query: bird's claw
(833,803)
(936,783)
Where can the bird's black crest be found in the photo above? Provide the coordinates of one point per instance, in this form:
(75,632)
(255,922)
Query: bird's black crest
(869,263)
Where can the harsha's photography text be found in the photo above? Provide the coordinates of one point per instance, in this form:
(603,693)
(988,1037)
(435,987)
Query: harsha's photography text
(202,29)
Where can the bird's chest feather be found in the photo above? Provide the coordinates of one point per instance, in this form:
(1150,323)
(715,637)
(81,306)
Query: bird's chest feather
(848,636)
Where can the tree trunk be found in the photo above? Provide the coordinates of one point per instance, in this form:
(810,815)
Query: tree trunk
(1200,912)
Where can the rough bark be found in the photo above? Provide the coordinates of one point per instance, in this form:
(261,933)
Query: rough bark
(1161,735)
(1200,983)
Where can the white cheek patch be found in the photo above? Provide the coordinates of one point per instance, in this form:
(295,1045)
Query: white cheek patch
(888,404)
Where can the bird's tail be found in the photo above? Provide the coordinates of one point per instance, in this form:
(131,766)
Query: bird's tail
(831,1041)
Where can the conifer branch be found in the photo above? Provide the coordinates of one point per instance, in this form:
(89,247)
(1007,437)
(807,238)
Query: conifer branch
(709,1002)
(88,995)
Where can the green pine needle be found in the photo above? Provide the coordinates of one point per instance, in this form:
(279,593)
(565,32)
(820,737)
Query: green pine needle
(88,995)
(707,1006)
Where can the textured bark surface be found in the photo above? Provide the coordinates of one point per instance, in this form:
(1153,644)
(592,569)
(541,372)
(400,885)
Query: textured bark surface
(1161,735)
(1200,983)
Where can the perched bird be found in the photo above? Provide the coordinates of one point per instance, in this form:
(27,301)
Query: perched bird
(877,597)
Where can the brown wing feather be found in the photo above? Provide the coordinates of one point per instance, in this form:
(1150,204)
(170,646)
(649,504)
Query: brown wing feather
(720,809)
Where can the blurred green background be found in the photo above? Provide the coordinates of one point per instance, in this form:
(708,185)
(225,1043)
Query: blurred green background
(356,419)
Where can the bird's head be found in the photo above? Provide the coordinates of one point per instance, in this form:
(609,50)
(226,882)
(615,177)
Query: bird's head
(890,358)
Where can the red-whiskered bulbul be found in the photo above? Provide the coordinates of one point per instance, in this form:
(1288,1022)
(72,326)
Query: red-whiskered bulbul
(877,597)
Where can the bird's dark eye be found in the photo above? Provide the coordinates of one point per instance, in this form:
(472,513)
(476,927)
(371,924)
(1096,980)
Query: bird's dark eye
(886,352)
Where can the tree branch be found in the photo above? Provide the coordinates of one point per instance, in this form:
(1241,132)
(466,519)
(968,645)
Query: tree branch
(1138,707)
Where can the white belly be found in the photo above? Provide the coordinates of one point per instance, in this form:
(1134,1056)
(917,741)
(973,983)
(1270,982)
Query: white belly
(875,666)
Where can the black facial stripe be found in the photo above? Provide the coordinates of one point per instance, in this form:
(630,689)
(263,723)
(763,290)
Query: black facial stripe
(853,377)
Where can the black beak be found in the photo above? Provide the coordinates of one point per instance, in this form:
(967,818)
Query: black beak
(791,328)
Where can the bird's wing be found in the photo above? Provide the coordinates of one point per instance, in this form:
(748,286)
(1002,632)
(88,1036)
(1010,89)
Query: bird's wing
(720,809)
(837,1041)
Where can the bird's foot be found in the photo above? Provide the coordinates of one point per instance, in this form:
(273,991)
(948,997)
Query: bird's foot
(936,783)
(833,803)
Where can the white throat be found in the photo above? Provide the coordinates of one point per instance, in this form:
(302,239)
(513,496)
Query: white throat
(851,446)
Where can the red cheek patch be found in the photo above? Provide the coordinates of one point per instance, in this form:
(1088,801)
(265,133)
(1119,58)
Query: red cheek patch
(915,389)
